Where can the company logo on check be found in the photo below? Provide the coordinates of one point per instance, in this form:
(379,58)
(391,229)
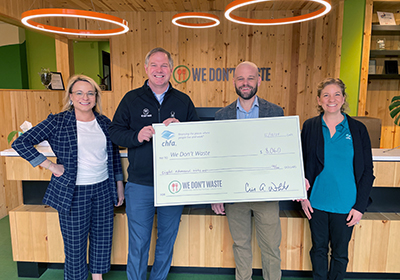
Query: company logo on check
(167,134)
(174,187)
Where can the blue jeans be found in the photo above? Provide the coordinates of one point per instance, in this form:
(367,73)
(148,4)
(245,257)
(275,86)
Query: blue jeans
(140,211)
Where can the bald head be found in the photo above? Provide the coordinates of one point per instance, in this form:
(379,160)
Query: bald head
(250,66)
(246,80)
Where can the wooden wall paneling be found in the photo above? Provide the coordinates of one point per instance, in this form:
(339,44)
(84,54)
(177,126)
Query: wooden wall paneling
(236,50)
(116,58)
(263,50)
(296,241)
(54,238)
(126,63)
(304,100)
(18,106)
(338,43)
(159,29)
(64,58)
(153,244)
(20,169)
(182,59)
(10,192)
(295,74)
(170,34)
(201,58)
(387,174)
(362,234)
(122,68)
(227,87)
(131,60)
(393,253)
(183,253)
(379,244)
(363,96)
(374,229)
(119,249)
(283,88)
(215,57)
(21,236)
(204,240)
(318,74)
(139,51)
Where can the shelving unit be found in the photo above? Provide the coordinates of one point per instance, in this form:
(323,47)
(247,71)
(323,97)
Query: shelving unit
(384,30)
(383,77)
(384,53)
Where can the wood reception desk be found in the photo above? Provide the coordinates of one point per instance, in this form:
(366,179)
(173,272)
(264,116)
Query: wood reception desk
(204,239)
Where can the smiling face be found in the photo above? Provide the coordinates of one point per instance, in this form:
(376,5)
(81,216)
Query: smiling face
(331,99)
(159,72)
(246,80)
(83,97)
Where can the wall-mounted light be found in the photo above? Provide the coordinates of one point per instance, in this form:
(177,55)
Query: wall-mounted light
(280,21)
(28,16)
(176,19)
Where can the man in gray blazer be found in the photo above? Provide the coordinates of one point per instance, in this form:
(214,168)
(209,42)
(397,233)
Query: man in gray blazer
(266,214)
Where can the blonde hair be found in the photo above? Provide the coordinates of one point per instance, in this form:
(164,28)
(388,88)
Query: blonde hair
(68,106)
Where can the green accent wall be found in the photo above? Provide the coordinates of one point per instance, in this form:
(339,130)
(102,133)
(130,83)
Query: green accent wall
(13,70)
(86,59)
(352,42)
(41,53)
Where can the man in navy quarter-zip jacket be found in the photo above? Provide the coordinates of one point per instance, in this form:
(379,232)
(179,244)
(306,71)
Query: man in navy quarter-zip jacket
(155,102)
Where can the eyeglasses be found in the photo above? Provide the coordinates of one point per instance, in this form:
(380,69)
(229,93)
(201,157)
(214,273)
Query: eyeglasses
(81,93)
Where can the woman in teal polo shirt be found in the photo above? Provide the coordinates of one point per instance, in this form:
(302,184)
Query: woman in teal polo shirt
(338,164)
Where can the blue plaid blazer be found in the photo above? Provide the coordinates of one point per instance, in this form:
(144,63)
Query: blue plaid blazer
(61,133)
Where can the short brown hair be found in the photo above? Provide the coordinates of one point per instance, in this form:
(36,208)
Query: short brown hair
(156,50)
(333,81)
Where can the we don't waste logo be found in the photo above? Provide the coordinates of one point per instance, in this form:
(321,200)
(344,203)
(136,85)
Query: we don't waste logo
(181,74)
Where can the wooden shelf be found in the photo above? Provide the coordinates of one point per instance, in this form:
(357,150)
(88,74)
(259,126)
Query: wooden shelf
(384,53)
(384,77)
(385,29)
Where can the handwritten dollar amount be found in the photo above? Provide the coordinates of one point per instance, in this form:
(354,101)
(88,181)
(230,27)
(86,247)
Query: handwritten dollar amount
(271,151)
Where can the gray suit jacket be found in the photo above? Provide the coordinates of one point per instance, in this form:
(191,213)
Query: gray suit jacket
(266,109)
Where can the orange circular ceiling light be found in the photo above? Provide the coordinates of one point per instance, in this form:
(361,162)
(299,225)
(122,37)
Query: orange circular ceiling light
(28,16)
(176,19)
(280,21)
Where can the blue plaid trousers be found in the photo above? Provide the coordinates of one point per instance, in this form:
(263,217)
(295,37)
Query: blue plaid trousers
(91,215)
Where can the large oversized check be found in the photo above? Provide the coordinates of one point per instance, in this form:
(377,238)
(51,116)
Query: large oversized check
(228,161)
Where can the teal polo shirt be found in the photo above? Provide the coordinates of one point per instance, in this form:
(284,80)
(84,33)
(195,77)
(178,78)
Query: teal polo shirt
(334,189)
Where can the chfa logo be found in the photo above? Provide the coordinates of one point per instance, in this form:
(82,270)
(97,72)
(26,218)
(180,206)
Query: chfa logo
(174,187)
(167,134)
(181,74)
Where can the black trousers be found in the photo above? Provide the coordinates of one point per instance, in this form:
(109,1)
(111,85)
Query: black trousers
(329,229)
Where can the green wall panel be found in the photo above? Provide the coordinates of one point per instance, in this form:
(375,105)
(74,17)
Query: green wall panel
(13,68)
(352,40)
(41,53)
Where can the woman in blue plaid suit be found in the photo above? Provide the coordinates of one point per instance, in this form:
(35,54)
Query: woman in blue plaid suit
(87,178)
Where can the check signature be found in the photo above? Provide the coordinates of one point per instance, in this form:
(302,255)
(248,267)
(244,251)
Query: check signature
(273,187)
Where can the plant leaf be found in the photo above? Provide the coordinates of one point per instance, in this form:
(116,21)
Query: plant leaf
(11,136)
(394,109)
